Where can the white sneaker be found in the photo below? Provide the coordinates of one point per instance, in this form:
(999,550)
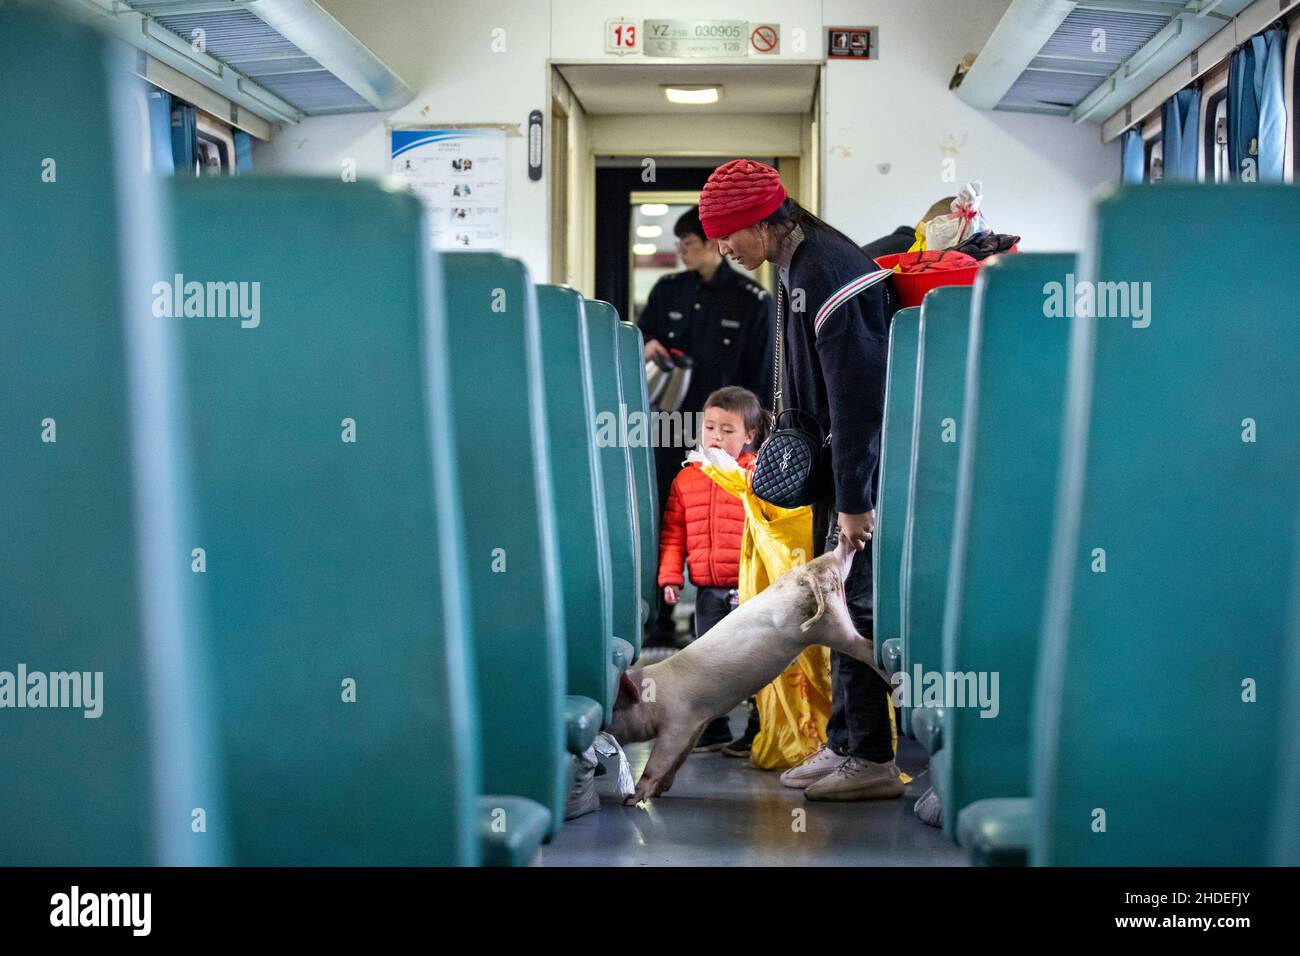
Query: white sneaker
(813,768)
(858,779)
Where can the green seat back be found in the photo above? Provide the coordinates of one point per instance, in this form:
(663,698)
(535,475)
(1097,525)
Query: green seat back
(581,522)
(331,572)
(511,557)
(895,475)
(616,471)
(1002,528)
(632,382)
(94,530)
(937,433)
(1162,688)
(1286,812)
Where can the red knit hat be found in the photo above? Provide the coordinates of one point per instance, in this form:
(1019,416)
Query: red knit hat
(739,194)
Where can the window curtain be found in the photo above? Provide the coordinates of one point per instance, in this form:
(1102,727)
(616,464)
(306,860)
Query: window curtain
(185,137)
(1257,109)
(1133,158)
(160,132)
(243,152)
(1180,129)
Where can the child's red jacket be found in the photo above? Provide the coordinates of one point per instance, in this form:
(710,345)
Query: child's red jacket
(702,524)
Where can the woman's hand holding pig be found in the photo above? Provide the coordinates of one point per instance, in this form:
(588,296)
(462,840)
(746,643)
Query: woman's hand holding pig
(856,530)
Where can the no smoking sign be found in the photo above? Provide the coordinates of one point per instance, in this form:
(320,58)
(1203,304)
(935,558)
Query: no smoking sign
(765,38)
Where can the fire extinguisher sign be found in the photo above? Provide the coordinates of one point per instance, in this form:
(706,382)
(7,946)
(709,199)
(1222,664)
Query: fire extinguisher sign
(852,43)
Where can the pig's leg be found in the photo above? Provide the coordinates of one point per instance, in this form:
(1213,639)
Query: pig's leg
(672,774)
(670,750)
(837,632)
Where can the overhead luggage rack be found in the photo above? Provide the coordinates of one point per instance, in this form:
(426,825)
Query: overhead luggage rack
(1087,58)
(280,59)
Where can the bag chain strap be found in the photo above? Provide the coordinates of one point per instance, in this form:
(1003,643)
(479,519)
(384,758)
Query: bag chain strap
(780,343)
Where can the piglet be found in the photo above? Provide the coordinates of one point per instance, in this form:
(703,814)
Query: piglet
(672,701)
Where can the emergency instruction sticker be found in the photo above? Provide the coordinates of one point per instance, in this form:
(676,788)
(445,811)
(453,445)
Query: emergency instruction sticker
(460,176)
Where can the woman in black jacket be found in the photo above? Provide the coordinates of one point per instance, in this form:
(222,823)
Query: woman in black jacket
(835,310)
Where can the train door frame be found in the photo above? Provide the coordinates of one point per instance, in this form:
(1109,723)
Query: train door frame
(800,167)
(559,190)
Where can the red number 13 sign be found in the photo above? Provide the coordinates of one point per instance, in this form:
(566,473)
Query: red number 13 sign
(621,36)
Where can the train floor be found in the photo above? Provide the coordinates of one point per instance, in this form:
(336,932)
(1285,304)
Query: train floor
(723,812)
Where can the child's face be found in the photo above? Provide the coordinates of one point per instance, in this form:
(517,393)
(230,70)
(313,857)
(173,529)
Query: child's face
(725,430)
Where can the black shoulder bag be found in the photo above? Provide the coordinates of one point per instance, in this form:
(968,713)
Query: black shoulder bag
(794,464)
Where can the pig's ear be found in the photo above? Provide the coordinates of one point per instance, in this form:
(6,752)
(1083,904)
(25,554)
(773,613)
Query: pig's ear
(629,692)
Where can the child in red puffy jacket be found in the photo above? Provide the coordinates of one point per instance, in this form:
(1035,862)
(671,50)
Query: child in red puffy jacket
(703,525)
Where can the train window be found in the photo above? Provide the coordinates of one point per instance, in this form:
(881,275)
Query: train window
(1153,148)
(216,148)
(1155,160)
(1217,168)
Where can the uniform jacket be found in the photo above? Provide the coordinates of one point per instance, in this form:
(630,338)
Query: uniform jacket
(724,324)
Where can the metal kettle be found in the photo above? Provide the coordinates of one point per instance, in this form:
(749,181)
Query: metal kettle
(668,379)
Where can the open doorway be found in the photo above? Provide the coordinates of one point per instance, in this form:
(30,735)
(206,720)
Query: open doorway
(634,141)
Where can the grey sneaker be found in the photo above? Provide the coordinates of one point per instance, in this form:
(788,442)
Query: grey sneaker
(858,779)
(928,809)
(813,768)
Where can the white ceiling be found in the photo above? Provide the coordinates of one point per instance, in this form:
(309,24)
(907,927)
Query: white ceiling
(635,87)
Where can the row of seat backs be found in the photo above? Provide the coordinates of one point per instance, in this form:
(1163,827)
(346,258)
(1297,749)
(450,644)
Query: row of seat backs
(129,429)
(937,428)
(341,578)
(618,464)
(632,383)
(895,477)
(1003,523)
(341,456)
(1163,678)
(1005,526)
(94,545)
(581,524)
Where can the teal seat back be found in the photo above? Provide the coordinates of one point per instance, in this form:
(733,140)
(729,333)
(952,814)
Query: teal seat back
(94,528)
(936,436)
(1163,676)
(895,471)
(1002,527)
(581,523)
(511,556)
(616,470)
(327,512)
(632,382)
(1286,812)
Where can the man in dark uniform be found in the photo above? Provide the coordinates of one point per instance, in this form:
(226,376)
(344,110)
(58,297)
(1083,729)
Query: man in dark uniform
(723,321)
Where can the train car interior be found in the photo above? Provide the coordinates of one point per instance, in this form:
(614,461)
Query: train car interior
(726,433)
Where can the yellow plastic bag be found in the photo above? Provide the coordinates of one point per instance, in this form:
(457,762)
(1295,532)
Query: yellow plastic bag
(794,708)
(919,245)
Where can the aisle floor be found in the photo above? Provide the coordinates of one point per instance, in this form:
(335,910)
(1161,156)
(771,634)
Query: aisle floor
(722,812)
